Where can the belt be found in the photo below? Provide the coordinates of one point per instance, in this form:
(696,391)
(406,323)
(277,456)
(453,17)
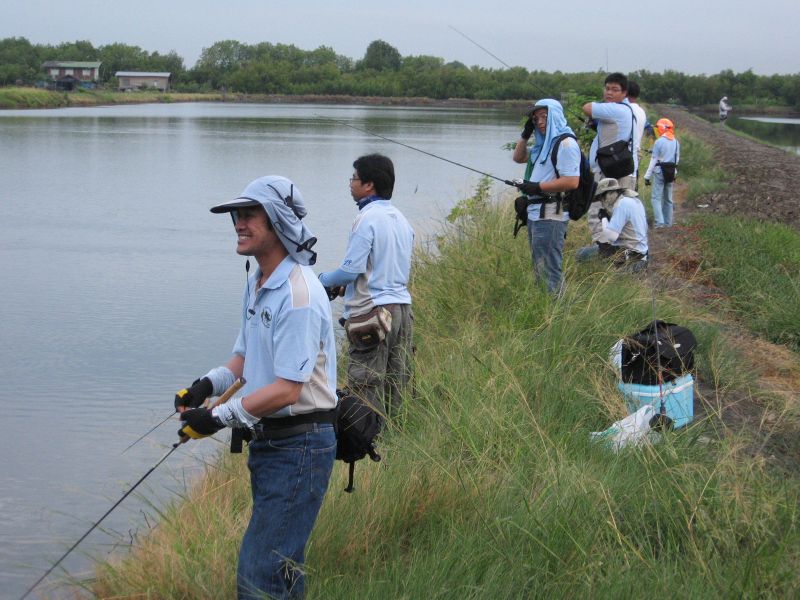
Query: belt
(278,428)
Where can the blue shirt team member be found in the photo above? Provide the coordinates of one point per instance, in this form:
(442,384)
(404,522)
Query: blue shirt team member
(547,220)
(615,122)
(665,150)
(375,271)
(623,225)
(286,351)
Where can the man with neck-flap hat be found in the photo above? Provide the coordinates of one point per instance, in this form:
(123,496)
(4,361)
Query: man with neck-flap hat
(286,352)
(544,184)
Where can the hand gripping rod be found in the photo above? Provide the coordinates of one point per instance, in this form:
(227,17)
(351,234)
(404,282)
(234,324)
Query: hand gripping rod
(222,399)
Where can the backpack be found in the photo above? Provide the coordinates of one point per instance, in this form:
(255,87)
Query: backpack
(641,357)
(576,202)
(357,425)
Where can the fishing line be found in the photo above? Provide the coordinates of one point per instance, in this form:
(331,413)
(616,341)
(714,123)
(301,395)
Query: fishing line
(452,162)
(93,527)
(235,387)
(581,117)
(149,431)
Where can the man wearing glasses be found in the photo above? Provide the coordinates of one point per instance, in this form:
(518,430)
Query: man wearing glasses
(545,181)
(286,352)
(613,144)
(377,304)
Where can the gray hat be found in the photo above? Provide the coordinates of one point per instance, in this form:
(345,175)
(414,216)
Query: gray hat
(285,208)
(609,184)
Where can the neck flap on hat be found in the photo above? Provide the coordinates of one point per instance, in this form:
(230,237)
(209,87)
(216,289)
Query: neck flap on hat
(556,126)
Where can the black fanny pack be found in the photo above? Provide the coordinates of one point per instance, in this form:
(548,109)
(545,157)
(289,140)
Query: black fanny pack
(668,171)
(615,160)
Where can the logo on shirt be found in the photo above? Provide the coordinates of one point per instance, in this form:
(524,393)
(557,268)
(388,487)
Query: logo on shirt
(266,317)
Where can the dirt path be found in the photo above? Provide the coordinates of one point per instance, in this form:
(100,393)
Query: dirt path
(764,186)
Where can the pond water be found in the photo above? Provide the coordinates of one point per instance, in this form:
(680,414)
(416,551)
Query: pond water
(119,287)
(779,131)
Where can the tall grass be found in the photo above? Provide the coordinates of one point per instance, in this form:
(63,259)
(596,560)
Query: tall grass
(490,486)
(763,281)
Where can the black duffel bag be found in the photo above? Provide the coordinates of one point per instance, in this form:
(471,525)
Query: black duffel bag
(641,355)
(616,160)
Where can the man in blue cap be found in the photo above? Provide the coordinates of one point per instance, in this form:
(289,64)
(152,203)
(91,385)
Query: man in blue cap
(544,183)
(286,352)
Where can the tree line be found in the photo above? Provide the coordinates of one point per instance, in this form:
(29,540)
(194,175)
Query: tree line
(267,68)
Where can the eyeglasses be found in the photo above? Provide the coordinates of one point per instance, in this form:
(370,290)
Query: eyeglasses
(354,178)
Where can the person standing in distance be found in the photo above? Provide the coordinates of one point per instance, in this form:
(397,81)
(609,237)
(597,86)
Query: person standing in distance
(377,304)
(666,151)
(286,351)
(547,219)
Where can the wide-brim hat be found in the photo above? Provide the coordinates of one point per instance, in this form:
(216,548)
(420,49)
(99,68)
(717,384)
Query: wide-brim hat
(609,184)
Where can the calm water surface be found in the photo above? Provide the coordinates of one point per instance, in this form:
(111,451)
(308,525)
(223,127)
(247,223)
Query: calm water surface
(783,132)
(119,287)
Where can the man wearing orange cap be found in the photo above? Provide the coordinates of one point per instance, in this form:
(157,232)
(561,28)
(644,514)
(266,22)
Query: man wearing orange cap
(662,172)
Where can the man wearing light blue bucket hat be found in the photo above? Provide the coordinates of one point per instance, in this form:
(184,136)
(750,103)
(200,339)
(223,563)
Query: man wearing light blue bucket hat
(286,352)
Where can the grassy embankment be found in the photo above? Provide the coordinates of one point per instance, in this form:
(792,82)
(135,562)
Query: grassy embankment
(18,97)
(491,488)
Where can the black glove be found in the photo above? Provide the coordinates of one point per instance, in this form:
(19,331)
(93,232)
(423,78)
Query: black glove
(195,395)
(527,132)
(199,423)
(603,214)
(647,182)
(590,123)
(334,292)
(531,188)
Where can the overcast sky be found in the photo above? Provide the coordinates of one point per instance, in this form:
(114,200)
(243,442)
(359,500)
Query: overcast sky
(692,36)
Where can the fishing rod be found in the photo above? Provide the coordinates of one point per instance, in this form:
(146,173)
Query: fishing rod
(235,387)
(169,416)
(452,162)
(580,117)
(149,431)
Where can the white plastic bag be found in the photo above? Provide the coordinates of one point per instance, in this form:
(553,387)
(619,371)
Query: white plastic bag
(632,430)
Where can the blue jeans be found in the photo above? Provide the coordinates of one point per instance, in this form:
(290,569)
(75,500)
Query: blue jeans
(661,199)
(289,479)
(546,238)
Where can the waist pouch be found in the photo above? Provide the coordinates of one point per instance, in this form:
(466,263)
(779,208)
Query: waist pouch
(615,160)
(668,171)
(369,329)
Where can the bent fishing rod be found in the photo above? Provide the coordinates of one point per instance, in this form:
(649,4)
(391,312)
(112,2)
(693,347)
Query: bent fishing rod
(452,162)
(580,117)
(235,387)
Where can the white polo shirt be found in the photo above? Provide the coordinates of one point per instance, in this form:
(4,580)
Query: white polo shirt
(287,332)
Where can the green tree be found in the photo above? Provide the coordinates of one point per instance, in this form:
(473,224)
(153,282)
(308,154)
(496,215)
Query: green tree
(380,56)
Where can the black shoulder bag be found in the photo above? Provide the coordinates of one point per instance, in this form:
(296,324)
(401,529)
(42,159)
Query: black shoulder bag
(616,160)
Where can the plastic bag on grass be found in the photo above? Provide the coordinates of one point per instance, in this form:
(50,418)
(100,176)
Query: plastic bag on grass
(633,430)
